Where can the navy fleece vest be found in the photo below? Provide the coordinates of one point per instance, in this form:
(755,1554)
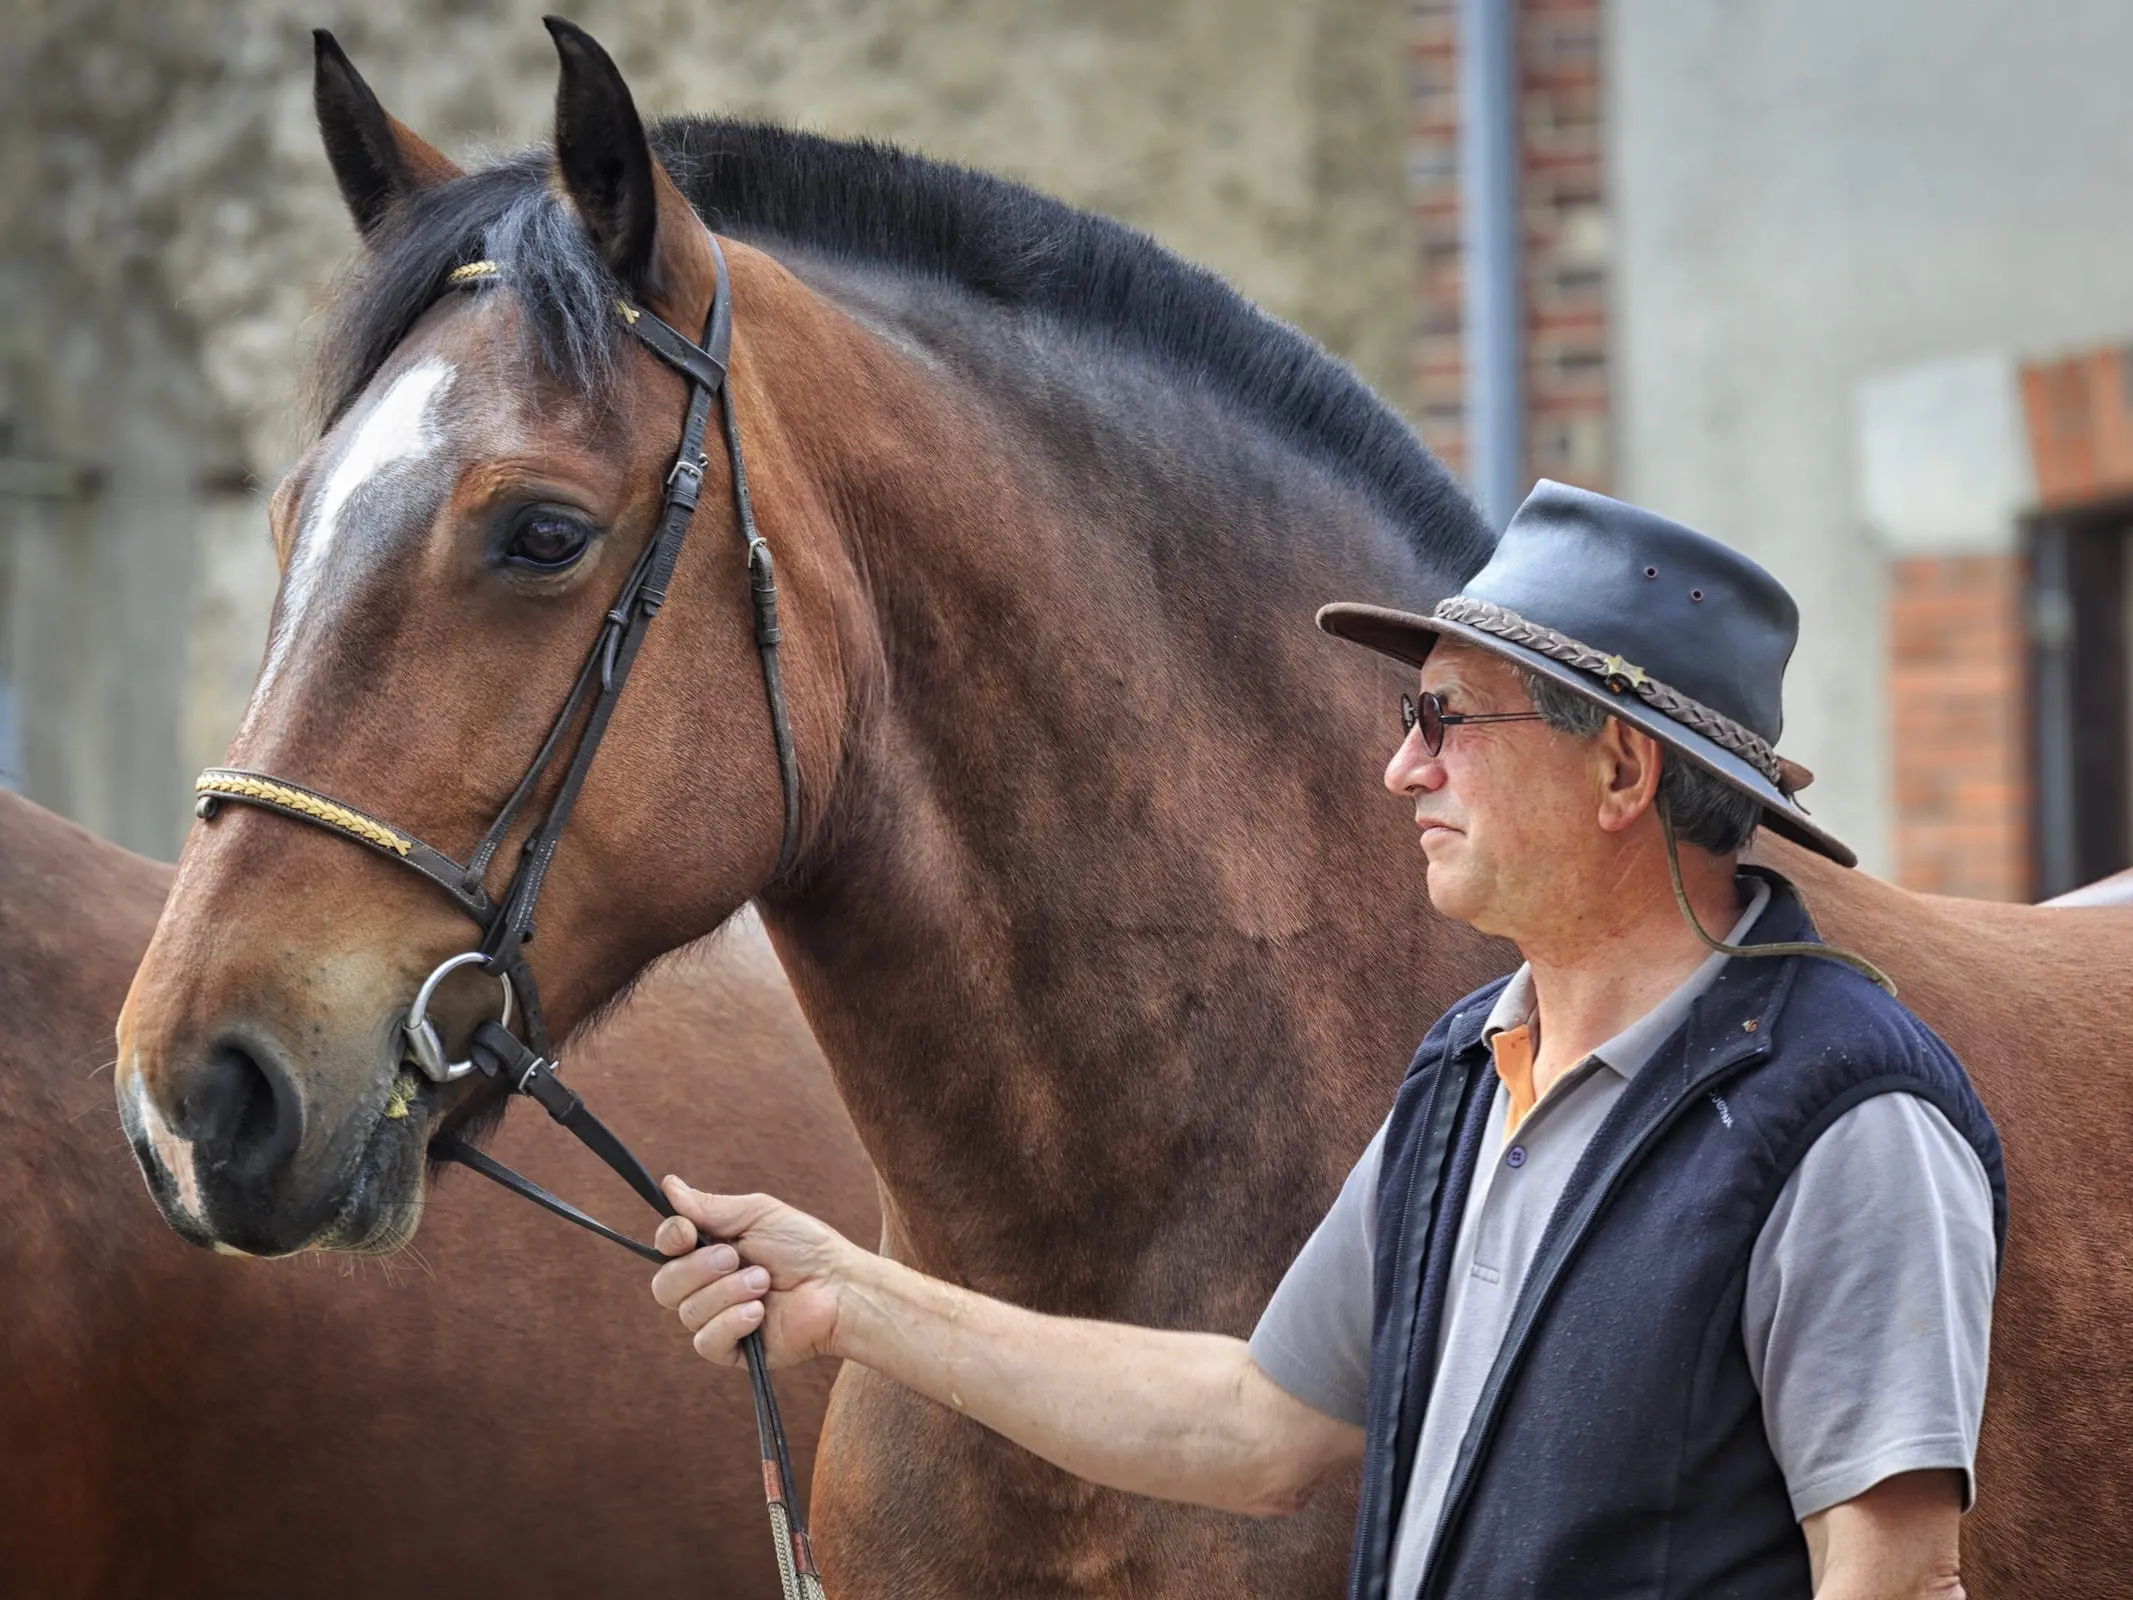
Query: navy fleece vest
(1617,1448)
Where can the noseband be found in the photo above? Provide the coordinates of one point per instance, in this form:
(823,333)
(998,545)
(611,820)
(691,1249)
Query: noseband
(506,920)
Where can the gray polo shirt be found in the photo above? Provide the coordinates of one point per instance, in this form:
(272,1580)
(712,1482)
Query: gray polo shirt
(1869,1296)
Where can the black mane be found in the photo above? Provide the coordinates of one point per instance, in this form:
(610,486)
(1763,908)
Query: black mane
(870,202)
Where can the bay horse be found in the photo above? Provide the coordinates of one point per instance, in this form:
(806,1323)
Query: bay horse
(175,1427)
(1112,940)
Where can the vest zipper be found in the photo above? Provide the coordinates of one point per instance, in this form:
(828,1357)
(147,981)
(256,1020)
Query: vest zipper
(1534,1299)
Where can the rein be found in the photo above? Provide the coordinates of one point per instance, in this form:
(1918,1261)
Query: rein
(506,921)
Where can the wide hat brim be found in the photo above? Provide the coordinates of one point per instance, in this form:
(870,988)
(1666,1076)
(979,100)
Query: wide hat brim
(1409,637)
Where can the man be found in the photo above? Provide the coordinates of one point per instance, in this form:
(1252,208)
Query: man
(1669,1274)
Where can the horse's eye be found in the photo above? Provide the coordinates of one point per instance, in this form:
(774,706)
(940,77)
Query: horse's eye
(546,539)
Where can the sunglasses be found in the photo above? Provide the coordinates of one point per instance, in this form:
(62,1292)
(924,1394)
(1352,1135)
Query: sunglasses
(1427,713)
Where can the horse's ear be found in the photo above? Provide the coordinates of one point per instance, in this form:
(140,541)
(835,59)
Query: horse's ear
(376,160)
(601,152)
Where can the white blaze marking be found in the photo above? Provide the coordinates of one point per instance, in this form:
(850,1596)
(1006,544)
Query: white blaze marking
(398,429)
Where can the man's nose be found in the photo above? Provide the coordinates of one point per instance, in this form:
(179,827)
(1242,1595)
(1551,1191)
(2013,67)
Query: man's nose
(1412,769)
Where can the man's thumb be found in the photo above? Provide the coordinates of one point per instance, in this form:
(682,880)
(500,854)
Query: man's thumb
(676,1236)
(722,1216)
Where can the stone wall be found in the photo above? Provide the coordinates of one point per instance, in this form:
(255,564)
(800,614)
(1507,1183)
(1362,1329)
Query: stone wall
(168,230)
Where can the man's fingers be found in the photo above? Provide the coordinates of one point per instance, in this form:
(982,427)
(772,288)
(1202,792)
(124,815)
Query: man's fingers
(677,1280)
(719,1339)
(718,1297)
(722,1295)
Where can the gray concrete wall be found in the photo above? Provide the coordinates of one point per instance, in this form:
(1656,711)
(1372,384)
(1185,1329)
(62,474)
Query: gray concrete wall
(1807,193)
(167,227)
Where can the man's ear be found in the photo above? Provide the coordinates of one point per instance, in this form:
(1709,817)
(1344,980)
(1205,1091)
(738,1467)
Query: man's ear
(1631,763)
(376,160)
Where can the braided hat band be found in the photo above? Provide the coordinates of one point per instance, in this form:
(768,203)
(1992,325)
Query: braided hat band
(1788,777)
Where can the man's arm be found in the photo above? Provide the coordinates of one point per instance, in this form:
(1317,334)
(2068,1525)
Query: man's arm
(1895,1542)
(1186,1416)
(1867,1321)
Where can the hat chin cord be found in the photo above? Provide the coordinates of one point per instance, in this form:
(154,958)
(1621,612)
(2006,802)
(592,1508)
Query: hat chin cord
(1827,952)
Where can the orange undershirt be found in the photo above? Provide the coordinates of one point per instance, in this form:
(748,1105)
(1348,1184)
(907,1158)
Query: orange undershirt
(1513,1051)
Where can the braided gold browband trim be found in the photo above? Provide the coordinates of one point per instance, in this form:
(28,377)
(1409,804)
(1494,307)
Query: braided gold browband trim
(219,781)
(485,271)
(1619,675)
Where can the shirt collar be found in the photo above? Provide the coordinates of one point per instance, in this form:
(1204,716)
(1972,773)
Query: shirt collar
(1628,1051)
(1514,1004)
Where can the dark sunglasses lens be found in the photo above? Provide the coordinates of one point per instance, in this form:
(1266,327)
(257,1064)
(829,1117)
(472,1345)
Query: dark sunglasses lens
(1428,715)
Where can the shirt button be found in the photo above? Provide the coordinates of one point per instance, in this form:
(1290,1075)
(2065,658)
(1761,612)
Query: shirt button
(1517,1156)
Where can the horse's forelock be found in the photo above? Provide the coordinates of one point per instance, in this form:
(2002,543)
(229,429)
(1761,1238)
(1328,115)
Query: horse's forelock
(508,214)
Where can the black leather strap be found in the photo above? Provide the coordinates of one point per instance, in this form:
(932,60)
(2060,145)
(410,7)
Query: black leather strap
(704,364)
(763,592)
(622,635)
(501,1055)
(519,1184)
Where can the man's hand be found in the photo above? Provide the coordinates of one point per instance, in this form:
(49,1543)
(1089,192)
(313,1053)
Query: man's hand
(792,1275)
(1188,1416)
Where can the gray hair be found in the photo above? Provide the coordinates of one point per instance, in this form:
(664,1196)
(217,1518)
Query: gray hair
(1707,813)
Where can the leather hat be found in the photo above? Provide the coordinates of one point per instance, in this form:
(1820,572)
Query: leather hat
(1665,627)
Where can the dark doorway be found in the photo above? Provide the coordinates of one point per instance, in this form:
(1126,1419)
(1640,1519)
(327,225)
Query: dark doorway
(2081,699)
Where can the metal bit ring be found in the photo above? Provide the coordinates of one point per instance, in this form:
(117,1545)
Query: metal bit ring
(423,1042)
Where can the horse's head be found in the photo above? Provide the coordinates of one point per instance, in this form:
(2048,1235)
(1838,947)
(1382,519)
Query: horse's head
(492,463)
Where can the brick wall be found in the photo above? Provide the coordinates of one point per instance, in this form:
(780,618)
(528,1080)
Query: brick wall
(2080,414)
(1433,178)
(1566,242)
(1563,200)
(1957,693)
(1969,722)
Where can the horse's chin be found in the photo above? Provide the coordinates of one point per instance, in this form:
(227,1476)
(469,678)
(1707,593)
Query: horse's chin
(381,1197)
(381,1205)
(383,1193)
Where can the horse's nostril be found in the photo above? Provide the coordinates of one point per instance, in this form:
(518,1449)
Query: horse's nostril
(245,1112)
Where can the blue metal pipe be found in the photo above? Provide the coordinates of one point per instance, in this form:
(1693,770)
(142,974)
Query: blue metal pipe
(1489,220)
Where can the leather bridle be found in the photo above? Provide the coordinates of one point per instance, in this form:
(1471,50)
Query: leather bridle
(506,920)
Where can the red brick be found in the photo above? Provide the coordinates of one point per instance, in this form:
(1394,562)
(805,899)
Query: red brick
(1959,745)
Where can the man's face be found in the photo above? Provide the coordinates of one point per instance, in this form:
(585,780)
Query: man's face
(1504,808)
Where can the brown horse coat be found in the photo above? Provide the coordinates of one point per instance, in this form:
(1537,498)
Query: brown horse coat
(488,1420)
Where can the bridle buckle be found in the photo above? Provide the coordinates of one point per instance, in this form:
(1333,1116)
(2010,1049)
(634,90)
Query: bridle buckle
(695,469)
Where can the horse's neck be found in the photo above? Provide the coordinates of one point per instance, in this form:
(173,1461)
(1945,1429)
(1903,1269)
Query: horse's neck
(1115,945)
